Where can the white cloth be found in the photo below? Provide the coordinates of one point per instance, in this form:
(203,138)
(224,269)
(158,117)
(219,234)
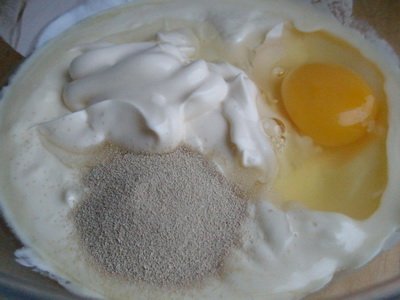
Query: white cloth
(21,21)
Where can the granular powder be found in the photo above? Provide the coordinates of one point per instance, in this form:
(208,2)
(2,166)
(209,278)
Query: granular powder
(165,219)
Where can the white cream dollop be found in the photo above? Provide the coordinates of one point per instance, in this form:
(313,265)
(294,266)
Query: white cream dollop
(143,96)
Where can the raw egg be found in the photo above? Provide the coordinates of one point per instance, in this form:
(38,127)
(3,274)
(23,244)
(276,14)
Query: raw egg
(331,100)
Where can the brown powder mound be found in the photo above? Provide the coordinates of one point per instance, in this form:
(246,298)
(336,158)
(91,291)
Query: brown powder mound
(165,219)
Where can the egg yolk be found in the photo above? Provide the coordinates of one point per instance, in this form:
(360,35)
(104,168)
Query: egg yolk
(330,103)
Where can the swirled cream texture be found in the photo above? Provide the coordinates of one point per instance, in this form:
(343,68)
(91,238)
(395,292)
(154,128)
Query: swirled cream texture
(145,97)
(154,75)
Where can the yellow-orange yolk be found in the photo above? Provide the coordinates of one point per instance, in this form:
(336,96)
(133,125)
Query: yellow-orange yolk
(330,103)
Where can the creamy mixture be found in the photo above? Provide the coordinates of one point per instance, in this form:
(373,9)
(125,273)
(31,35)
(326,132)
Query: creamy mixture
(150,77)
